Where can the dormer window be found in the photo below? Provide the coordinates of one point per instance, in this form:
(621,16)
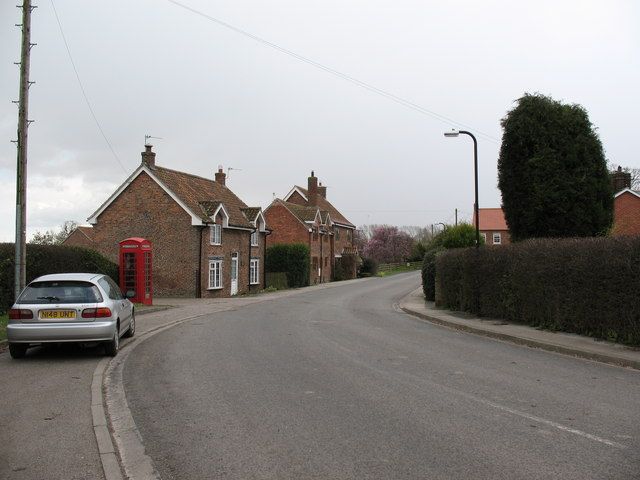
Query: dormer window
(254,238)
(215,234)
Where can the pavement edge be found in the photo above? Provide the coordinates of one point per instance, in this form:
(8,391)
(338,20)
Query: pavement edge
(551,347)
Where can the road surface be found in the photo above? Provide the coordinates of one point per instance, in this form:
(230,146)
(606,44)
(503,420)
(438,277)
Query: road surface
(338,384)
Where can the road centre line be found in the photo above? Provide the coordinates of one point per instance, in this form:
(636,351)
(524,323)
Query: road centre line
(412,379)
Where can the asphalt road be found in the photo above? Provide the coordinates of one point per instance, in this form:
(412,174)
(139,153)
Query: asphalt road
(45,416)
(337,384)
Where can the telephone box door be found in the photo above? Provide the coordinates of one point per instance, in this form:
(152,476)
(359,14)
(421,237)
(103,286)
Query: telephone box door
(136,273)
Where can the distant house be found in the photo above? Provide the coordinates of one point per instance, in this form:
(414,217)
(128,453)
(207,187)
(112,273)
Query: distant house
(81,237)
(206,241)
(306,216)
(626,205)
(493,226)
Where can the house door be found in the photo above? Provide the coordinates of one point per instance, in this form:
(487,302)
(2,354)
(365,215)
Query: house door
(234,274)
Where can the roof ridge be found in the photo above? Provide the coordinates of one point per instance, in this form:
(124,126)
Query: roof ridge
(187,174)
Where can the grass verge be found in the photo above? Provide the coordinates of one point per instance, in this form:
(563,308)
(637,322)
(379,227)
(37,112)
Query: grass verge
(396,270)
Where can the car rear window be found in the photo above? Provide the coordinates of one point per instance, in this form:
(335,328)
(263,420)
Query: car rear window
(67,291)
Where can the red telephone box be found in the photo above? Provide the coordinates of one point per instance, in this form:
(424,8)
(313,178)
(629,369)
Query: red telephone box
(135,269)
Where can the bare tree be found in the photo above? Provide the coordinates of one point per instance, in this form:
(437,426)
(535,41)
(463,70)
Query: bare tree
(55,236)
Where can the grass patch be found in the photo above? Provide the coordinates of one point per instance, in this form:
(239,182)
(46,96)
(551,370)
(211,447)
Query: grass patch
(3,326)
(396,270)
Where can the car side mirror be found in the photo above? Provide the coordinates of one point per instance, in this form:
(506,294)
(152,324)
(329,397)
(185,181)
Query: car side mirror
(130,294)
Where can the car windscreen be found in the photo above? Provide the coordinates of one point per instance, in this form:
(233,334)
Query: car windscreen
(60,291)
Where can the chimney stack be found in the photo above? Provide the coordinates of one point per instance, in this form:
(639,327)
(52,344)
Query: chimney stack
(322,191)
(221,176)
(620,180)
(149,157)
(312,188)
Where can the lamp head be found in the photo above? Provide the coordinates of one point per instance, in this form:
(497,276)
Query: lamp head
(452,133)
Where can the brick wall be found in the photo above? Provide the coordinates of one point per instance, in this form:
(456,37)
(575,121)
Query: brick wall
(286,228)
(505,237)
(626,208)
(144,210)
(343,237)
(79,239)
(297,199)
(233,243)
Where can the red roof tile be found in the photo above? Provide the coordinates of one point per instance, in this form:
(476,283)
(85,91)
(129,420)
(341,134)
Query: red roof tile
(201,194)
(491,219)
(324,204)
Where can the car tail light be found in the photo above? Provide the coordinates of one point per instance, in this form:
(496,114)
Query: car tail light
(96,312)
(20,314)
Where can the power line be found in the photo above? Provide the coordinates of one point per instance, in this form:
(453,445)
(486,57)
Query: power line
(332,71)
(84,94)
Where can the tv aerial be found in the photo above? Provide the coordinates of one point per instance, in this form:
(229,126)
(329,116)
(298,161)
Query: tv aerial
(147,137)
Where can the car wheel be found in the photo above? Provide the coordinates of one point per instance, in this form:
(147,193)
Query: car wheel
(111,347)
(18,350)
(132,326)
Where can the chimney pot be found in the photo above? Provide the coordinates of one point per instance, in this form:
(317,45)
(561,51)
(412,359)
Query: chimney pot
(620,180)
(322,191)
(312,188)
(149,157)
(220,176)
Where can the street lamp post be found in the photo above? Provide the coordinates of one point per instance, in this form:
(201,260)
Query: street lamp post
(455,133)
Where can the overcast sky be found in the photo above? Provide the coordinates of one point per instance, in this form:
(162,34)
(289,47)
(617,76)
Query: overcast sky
(218,97)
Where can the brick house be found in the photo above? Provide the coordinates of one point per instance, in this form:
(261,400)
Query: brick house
(206,241)
(81,237)
(626,212)
(626,205)
(493,226)
(306,216)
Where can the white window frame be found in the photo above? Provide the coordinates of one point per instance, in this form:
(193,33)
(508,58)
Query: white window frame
(215,274)
(254,271)
(215,234)
(254,238)
(497,238)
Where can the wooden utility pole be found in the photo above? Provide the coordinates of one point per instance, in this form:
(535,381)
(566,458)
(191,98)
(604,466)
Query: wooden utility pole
(456,217)
(21,172)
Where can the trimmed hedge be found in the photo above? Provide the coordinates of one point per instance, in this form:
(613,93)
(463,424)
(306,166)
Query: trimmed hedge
(429,273)
(277,280)
(45,259)
(291,258)
(588,286)
(459,236)
(345,267)
(369,267)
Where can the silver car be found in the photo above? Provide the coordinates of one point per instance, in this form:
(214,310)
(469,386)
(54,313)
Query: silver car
(70,307)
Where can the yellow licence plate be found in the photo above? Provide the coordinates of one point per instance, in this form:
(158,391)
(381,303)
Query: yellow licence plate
(57,314)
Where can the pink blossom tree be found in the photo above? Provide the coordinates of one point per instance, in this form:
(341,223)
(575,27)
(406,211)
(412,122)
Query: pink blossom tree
(388,245)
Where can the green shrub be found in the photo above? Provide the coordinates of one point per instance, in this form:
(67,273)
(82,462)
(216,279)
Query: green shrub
(587,286)
(277,280)
(45,259)
(429,273)
(293,259)
(338,271)
(369,268)
(459,236)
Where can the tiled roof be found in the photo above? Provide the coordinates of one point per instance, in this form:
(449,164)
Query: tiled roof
(201,194)
(306,214)
(325,205)
(491,219)
(251,212)
(87,231)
